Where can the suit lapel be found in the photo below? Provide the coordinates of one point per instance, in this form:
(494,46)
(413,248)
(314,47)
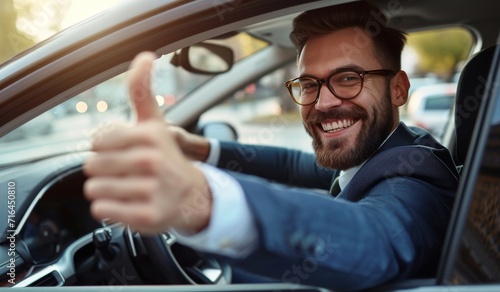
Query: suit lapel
(402,136)
(368,175)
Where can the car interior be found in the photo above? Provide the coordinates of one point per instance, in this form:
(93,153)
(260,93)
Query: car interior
(472,89)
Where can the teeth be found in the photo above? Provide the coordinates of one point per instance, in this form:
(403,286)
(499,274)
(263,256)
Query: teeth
(330,127)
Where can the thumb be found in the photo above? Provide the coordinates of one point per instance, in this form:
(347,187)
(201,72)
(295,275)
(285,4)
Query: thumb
(139,83)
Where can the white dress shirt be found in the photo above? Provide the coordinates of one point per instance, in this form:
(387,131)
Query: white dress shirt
(231,231)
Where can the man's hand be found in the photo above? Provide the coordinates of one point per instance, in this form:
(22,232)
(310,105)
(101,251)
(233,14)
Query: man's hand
(195,147)
(140,176)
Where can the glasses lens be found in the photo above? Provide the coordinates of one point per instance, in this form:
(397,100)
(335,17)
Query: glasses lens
(304,90)
(346,84)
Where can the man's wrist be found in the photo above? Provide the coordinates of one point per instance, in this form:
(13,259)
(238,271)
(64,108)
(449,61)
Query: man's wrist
(231,229)
(214,152)
(200,148)
(196,209)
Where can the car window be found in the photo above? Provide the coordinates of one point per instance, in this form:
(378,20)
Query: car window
(439,102)
(68,126)
(263,113)
(432,59)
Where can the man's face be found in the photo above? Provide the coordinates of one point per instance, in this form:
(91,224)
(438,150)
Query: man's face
(360,124)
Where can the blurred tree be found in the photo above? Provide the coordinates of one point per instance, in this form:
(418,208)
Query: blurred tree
(26,22)
(440,51)
(12,41)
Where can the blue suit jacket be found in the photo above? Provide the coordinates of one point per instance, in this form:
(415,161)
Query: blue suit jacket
(387,224)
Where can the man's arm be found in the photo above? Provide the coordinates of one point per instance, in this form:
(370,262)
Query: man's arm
(287,166)
(310,239)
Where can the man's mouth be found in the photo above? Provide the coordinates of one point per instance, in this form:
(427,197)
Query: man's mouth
(337,125)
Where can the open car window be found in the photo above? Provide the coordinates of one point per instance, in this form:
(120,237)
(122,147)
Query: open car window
(263,112)
(68,126)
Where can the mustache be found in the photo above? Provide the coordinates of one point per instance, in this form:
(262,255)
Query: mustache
(354,112)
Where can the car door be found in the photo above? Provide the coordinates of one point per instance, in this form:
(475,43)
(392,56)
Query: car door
(471,257)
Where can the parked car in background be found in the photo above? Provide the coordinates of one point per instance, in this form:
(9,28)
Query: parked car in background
(417,82)
(429,107)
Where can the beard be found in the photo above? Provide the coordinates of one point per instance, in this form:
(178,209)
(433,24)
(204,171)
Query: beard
(336,154)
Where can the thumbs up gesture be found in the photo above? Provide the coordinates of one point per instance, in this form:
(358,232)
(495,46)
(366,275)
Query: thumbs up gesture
(139,175)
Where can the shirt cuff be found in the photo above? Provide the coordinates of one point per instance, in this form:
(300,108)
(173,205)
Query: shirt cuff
(214,154)
(231,230)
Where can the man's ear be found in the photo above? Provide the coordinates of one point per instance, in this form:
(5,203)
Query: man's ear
(400,84)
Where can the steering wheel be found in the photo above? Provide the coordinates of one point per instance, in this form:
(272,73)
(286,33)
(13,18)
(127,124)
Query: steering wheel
(161,259)
(114,255)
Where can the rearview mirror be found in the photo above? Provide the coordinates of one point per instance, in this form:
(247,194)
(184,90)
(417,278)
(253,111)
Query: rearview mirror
(204,58)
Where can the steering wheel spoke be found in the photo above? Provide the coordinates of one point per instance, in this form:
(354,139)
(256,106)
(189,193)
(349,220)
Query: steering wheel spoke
(162,260)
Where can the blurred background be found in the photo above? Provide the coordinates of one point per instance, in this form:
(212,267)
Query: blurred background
(433,59)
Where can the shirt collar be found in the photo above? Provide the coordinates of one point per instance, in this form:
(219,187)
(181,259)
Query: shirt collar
(346,176)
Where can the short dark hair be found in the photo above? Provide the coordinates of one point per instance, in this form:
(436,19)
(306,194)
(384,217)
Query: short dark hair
(388,42)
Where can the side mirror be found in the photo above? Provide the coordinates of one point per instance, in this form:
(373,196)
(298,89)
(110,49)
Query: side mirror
(219,130)
(204,58)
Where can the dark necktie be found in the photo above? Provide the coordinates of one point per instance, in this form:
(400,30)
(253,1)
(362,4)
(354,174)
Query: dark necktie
(335,188)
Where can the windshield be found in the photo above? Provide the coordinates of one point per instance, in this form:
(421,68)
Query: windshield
(67,127)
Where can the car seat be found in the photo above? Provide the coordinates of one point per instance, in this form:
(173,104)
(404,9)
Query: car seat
(471,90)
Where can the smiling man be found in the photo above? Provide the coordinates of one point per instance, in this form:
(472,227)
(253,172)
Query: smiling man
(359,105)
(383,221)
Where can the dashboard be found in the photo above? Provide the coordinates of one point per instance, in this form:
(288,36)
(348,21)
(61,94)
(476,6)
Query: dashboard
(51,239)
(60,217)
(50,214)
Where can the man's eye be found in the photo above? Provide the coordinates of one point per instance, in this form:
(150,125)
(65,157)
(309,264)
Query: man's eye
(309,85)
(346,79)
(350,78)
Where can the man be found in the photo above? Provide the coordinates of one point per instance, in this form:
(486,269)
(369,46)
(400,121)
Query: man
(397,184)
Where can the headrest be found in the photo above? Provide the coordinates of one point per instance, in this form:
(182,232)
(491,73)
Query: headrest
(470,91)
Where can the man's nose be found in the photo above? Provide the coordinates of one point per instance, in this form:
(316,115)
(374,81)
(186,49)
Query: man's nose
(326,99)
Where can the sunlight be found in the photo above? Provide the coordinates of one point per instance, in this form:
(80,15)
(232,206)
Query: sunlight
(40,20)
(82,9)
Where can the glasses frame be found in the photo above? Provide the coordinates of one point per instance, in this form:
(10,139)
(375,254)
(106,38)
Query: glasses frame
(325,81)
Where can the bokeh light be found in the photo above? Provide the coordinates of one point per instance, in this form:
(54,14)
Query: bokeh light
(102,106)
(160,100)
(81,107)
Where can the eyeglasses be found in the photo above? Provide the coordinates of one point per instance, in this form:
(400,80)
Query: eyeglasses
(344,84)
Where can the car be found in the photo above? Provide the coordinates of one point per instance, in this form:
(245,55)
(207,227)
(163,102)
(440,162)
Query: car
(48,237)
(429,107)
(417,82)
